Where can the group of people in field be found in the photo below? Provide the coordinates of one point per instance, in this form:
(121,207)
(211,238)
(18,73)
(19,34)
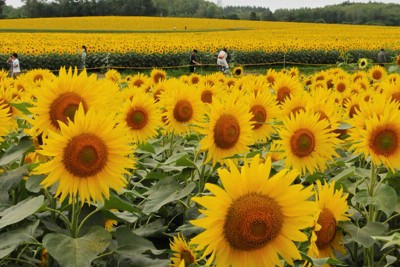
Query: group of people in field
(222,61)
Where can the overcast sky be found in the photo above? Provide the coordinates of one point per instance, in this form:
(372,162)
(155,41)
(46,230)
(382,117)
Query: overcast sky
(271,4)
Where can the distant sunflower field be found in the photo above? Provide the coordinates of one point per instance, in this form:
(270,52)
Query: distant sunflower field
(230,169)
(165,42)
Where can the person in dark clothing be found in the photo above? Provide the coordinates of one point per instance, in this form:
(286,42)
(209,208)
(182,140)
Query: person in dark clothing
(382,57)
(193,61)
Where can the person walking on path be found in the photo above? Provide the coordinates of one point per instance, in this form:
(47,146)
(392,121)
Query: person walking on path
(15,68)
(222,62)
(382,57)
(193,62)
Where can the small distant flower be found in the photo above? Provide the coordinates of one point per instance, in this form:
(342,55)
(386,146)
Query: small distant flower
(183,253)
(362,63)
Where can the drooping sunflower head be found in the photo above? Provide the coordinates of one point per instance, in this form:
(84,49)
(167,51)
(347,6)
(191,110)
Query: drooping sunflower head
(89,156)
(158,75)
(237,71)
(250,221)
(363,63)
(286,86)
(182,252)
(333,208)
(113,75)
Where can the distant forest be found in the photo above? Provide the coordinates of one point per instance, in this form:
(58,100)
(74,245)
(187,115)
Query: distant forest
(345,13)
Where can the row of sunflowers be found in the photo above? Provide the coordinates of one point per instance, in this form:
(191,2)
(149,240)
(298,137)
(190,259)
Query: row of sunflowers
(202,170)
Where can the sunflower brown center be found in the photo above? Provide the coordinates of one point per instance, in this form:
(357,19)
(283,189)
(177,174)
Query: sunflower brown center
(384,142)
(340,87)
(282,93)
(38,77)
(271,79)
(206,96)
(377,75)
(302,143)
(396,96)
(327,233)
(353,110)
(138,83)
(226,131)
(252,221)
(259,115)
(183,111)
(158,77)
(85,155)
(64,107)
(297,110)
(187,257)
(137,118)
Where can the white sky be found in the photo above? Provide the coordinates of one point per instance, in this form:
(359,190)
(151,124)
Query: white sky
(271,4)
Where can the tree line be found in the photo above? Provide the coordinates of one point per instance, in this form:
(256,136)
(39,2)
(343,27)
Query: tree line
(344,13)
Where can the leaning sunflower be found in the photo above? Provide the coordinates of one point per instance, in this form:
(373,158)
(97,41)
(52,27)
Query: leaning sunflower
(158,75)
(307,141)
(89,157)
(237,71)
(229,129)
(4,121)
(326,237)
(182,252)
(256,219)
(363,63)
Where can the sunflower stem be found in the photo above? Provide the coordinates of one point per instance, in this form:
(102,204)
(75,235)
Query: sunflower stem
(86,218)
(371,213)
(75,219)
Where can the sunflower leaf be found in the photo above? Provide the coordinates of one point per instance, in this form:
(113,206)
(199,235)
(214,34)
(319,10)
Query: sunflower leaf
(10,179)
(81,251)
(20,211)
(15,152)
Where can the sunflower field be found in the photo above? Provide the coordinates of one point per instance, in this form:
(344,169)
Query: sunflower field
(224,169)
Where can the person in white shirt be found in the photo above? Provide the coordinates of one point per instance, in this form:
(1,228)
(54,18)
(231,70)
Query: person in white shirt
(14,63)
(222,62)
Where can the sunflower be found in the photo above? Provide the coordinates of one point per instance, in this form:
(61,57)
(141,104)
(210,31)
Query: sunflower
(271,76)
(208,92)
(265,110)
(4,121)
(237,71)
(326,236)
(158,75)
(392,90)
(88,157)
(229,130)
(363,63)
(296,103)
(308,142)
(7,99)
(139,80)
(377,73)
(113,75)
(35,77)
(194,78)
(379,137)
(286,86)
(341,85)
(60,98)
(183,107)
(141,116)
(182,252)
(255,219)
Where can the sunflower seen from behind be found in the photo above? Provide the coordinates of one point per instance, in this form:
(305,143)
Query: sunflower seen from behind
(228,130)
(326,237)
(89,156)
(141,116)
(307,141)
(255,219)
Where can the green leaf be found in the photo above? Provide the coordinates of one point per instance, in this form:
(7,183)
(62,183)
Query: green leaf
(81,251)
(15,152)
(344,174)
(163,192)
(115,202)
(364,235)
(130,244)
(12,239)
(23,107)
(176,157)
(145,148)
(33,183)
(151,229)
(391,241)
(11,179)
(385,199)
(20,211)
